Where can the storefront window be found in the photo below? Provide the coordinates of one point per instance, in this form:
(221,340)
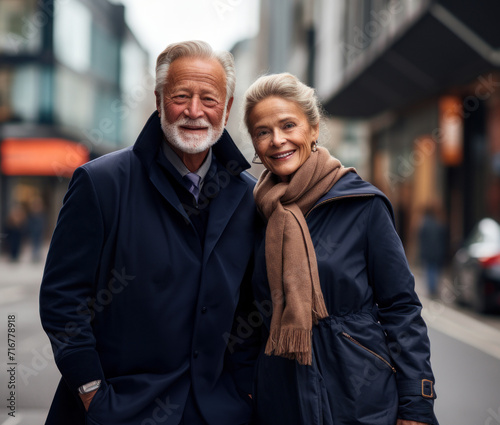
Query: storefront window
(107,124)
(74,98)
(21,26)
(19,95)
(105,54)
(91,110)
(134,63)
(72,34)
(137,87)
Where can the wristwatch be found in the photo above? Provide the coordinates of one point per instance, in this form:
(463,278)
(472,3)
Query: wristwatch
(89,387)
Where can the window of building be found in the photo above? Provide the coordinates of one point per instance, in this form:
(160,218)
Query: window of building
(74,99)
(19,93)
(107,123)
(134,63)
(21,25)
(105,54)
(72,34)
(137,87)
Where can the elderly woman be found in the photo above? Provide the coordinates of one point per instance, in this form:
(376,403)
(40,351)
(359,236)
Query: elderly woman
(344,339)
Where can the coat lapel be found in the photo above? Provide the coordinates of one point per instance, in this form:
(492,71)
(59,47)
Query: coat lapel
(146,148)
(166,190)
(232,188)
(222,208)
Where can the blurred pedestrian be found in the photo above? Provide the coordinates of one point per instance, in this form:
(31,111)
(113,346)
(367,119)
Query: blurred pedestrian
(15,229)
(346,343)
(36,227)
(432,238)
(149,264)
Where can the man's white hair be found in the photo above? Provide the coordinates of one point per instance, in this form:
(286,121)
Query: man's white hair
(198,49)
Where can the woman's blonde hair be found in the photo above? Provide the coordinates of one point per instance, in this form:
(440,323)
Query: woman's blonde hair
(288,87)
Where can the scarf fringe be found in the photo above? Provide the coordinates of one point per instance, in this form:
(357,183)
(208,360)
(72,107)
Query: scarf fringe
(319,310)
(272,342)
(291,344)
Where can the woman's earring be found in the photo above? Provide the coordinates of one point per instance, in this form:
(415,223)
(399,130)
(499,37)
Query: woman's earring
(256,159)
(314,146)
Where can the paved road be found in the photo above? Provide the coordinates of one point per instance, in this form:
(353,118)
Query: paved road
(468,382)
(36,375)
(465,355)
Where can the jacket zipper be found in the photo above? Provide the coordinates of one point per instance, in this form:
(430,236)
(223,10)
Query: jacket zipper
(350,338)
(326,201)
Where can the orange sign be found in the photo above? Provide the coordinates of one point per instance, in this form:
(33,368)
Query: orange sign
(41,157)
(451,125)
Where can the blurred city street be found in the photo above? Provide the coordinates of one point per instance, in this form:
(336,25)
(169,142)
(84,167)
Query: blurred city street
(465,353)
(410,91)
(36,374)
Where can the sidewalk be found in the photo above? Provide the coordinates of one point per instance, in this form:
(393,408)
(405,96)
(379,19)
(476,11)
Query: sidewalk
(444,315)
(447,297)
(420,285)
(36,375)
(23,271)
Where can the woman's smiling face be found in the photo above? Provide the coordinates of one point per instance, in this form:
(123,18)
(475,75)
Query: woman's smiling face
(281,135)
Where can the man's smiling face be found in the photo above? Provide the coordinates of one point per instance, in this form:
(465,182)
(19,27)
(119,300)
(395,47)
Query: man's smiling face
(192,106)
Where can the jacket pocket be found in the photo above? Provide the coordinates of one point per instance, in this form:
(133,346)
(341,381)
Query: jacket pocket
(99,397)
(359,379)
(373,353)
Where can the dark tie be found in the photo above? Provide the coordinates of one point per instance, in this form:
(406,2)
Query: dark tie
(194,184)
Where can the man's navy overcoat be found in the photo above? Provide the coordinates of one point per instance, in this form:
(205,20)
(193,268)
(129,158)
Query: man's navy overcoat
(131,295)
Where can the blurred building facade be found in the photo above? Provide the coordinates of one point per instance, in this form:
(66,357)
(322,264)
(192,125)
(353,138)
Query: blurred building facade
(424,75)
(74,85)
(412,89)
(291,38)
(288,42)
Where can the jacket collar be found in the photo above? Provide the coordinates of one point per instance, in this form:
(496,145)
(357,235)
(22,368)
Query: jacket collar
(230,163)
(225,150)
(351,185)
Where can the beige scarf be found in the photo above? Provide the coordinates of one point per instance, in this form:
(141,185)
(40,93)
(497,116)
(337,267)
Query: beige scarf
(292,269)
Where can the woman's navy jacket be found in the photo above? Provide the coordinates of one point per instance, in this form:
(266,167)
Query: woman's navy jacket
(371,355)
(132,297)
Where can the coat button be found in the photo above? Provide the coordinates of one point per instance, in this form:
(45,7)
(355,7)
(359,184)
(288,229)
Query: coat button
(195,354)
(204,310)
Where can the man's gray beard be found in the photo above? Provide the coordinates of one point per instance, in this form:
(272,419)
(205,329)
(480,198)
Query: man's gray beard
(192,143)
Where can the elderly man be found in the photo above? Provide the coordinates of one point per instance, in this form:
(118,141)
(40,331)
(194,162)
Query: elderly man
(146,288)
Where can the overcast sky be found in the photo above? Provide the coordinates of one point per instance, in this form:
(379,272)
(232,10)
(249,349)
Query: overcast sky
(157,23)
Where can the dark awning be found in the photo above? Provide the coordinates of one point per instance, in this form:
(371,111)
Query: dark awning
(452,42)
